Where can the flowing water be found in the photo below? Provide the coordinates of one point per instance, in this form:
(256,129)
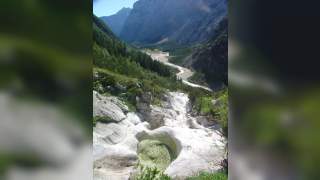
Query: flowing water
(180,146)
(184,73)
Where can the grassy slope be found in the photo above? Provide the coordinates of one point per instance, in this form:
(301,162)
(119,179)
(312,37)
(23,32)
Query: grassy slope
(118,71)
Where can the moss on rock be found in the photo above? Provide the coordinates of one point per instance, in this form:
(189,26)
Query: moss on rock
(153,153)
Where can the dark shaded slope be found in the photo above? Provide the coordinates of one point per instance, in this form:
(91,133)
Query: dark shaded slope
(108,50)
(116,21)
(212,58)
(179,21)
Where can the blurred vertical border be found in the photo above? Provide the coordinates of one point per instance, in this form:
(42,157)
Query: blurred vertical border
(274,75)
(45,89)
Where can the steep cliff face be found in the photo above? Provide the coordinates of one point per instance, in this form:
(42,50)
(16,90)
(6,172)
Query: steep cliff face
(179,21)
(211,59)
(116,21)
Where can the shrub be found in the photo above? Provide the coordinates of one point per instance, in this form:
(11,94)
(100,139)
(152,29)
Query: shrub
(220,111)
(209,176)
(147,173)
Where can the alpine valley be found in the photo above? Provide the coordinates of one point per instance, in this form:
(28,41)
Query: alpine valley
(160,97)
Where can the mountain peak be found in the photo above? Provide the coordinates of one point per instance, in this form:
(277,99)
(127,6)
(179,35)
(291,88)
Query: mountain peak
(124,10)
(181,21)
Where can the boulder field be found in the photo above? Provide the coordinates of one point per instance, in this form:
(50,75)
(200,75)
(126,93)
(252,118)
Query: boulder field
(165,136)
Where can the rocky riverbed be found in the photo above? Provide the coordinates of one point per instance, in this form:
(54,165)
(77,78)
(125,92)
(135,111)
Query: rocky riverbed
(183,73)
(165,136)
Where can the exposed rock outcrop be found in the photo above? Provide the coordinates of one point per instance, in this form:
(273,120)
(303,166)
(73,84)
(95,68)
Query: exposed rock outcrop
(186,148)
(211,59)
(104,107)
(115,148)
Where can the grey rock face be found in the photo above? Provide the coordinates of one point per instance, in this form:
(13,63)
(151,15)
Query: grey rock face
(195,148)
(116,21)
(212,58)
(180,21)
(143,104)
(104,107)
(119,103)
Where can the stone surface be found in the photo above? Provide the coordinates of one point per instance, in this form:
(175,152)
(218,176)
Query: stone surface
(119,103)
(170,128)
(115,145)
(104,107)
(196,150)
(178,21)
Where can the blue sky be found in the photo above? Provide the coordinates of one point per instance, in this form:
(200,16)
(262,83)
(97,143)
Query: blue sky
(109,7)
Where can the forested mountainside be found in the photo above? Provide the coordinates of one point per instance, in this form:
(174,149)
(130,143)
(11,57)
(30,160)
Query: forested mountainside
(124,71)
(198,27)
(147,122)
(167,21)
(110,52)
(116,21)
(128,73)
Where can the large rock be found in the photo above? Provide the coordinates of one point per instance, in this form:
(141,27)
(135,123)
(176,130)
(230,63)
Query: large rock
(143,103)
(119,103)
(114,150)
(196,147)
(169,130)
(106,107)
(173,111)
(195,150)
(115,145)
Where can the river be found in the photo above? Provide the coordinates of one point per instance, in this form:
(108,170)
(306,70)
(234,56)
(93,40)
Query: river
(184,73)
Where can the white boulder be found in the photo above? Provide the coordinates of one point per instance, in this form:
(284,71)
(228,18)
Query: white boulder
(104,107)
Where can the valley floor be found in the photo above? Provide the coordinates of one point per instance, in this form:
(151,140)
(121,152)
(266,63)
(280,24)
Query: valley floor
(184,73)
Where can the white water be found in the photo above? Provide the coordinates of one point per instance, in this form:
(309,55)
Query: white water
(115,144)
(197,148)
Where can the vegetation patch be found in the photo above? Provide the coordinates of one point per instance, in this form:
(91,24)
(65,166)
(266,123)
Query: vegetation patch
(7,160)
(154,154)
(148,173)
(178,55)
(104,119)
(220,110)
(209,176)
(202,103)
(198,78)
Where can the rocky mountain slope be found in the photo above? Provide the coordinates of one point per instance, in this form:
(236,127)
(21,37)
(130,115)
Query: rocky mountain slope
(144,117)
(211,59)
(167,21)
(116,21)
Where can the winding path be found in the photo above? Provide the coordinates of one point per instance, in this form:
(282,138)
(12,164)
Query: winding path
(183,74)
